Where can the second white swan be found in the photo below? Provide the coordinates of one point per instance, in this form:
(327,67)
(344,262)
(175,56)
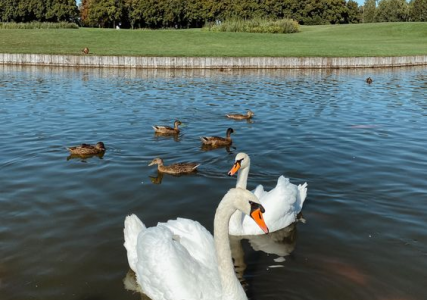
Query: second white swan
(282,204)
(181,260)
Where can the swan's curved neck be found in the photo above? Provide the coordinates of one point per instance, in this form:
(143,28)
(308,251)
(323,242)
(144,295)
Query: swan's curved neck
(231,287)
(242,178)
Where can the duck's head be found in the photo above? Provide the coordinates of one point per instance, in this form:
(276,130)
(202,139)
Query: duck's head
(249,204)
(241,161)
(100,146)
(250,113)
(229,131)
(156,161)
(177,122)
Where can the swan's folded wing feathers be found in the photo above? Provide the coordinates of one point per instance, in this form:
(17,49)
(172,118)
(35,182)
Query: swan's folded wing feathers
(133,226)
(279,204)
(302,194)
(195,238)
(166,269)
(259,191)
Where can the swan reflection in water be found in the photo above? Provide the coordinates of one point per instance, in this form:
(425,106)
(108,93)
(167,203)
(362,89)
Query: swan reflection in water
(281,243)
(84,158)
(131,285)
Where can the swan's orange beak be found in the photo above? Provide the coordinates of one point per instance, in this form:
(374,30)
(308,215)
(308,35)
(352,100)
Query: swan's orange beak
(259,219)
(234,169)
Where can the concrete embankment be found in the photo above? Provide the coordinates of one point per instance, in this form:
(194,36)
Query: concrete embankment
(210,62)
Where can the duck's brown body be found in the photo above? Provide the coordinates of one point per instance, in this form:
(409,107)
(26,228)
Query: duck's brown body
(178,168)
(248,115)
(86,149)
(167,129)
(217,140)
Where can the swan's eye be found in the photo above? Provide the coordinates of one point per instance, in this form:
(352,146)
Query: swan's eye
(255,206)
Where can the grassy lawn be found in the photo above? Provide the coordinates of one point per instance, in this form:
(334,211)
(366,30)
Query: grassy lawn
(377,39)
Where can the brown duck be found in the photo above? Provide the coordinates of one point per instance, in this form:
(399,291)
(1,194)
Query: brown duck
(167,129)
(369,80)
(86,149)
(85,50)
(248,115)
(178,168)
(218,141)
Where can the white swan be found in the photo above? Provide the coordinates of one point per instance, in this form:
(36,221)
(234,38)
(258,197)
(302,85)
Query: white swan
(181,260)
(282,204)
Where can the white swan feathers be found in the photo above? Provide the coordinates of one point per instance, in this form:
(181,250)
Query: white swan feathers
(180,259)
(282,204)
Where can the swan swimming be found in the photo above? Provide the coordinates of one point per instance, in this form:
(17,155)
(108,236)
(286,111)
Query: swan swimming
(180,259)
(282,204)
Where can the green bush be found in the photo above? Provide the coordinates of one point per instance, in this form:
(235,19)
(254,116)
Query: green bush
(256,26)
(38,25)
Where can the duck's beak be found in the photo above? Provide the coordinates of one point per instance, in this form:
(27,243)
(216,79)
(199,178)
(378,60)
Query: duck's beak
(256,215)
(234,169)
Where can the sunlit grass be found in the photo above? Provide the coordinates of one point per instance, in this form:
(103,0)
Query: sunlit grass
(379,39)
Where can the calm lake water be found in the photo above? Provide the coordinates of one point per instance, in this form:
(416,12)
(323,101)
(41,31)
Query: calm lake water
(361,148)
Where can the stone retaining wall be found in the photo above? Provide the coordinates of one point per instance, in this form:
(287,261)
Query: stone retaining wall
(211,62)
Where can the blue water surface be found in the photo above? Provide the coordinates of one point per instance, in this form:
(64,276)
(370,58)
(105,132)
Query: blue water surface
(360,147)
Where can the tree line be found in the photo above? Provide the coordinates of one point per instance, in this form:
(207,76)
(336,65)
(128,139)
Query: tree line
(41,11)
(197,13)
(394,11)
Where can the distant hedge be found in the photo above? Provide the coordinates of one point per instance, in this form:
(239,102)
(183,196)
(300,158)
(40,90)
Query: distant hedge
(38,25)
(256,26)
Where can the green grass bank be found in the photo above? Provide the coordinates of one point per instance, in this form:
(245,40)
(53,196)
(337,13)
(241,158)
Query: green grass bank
(354,40)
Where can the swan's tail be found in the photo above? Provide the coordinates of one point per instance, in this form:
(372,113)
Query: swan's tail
(133,226)
(302,193)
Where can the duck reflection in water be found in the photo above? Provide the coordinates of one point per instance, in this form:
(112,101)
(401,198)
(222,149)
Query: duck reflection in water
(84,158)
(281,243)
(160,175)
(175,136)
(157,179)
(228,148)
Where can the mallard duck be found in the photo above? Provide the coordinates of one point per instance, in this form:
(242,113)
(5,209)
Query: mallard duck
(167,129)
(85,50)
(248,115)
(179,168)
(369,80)
(218,141)
(86,149)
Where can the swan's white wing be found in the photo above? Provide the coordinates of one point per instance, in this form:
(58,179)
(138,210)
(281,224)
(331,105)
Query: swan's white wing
(133,226)
(282,204)
(259,191)
(176,260)
(196,239)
